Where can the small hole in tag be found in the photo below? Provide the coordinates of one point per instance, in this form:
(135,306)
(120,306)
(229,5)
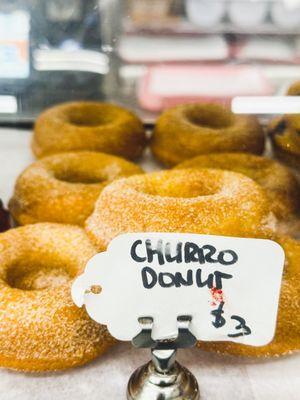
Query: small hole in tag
(95,289)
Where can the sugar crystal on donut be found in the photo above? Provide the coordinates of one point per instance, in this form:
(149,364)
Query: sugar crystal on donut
(41,328)
(196,201)
(189,130)
(280,184)
(64,187)
(87,125)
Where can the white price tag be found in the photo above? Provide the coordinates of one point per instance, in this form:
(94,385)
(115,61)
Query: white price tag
(229,286)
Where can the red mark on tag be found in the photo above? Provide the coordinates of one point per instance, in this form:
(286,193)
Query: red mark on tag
(217,296)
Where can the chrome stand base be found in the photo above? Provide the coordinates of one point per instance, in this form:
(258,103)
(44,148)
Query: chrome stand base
(163,378)
(147,383)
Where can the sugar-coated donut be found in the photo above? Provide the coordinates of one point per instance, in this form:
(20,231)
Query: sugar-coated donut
(279,182)
(285,139)
(287,336)
(64,187)
(293,120)
(294,89)
(204,201)
(285,134)
(41,328)
(91,126)
(189,130)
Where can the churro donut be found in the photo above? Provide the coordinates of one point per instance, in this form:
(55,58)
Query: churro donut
(285,139)
(280,184)
(287,336)
(204,201)
(64,187)
(285,133)
(294,89)
(41,328)
(189,130)
(91,126)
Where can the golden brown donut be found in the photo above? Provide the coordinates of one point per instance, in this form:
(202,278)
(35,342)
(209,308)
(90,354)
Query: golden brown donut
(279,183)
(286,139)
(285,133)
(189,130)
(64,187)
(287,336)
(292,121)
(294,89)
(91,126)
(41,328)
(204,201)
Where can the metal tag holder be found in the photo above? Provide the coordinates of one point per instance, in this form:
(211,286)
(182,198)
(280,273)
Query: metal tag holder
(163,378)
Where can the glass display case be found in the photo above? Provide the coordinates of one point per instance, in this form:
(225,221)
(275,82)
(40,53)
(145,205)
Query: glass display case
(52,52)
(144,54)
(133,117)
(183,51)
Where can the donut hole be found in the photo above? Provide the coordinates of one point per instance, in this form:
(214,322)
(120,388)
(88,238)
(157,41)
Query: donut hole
(28,276)
(84,169)
(280,128)
(89,116)
(77,176)
(182,187)
(213,117)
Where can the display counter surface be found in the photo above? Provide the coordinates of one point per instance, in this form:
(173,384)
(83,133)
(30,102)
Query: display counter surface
(219,377)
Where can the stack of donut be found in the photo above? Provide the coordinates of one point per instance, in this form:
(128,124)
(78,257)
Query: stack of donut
(80,146)
(80,194)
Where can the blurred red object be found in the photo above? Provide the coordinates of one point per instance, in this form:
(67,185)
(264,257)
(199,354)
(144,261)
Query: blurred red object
(4,218)
(169,85)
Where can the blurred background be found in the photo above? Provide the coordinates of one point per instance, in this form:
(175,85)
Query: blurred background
(144,54)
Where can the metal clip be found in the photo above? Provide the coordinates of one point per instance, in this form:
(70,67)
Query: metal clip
(144,339)
(183,340)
